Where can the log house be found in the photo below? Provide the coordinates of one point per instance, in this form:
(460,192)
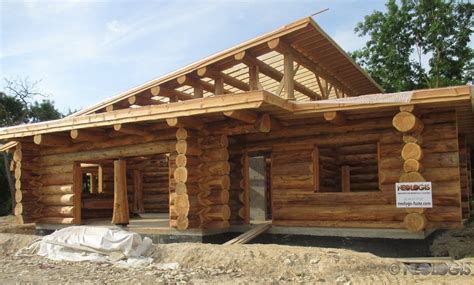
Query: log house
(334,144)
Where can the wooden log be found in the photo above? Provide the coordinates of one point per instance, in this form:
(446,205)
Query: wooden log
(217,213)
(185,122)
(98,204)
(215,198)
(242,115)
(336,118)
(57,179)
(412,165)
(214,183)
(120,213)
(58,211)
(217,141)
(51,140)
(188,148)
(407,123)
(217,154)
(30,209)
(412,177)
(413,138)
(413,151)
(415,222)
(182,160)
(263,123)
(180,174)
(85,135)
(21,195)
(97,214)
(57,200)
(150,148)
(215,168)
(56,189)
(181,134)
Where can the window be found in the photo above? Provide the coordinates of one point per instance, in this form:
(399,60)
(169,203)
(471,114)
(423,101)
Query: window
(352,168)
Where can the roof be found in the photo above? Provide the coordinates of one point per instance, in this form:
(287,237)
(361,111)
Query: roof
(459,98)
(323,60)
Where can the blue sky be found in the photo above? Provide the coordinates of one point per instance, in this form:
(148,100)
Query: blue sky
(86,51)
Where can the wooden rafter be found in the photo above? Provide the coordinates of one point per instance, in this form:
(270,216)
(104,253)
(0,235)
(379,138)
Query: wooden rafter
(142,101)
(197,83)
(229,80)
(271,72)
(284,48)
(170,93)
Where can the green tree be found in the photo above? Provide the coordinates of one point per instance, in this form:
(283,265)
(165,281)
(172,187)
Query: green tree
(418,44)
(43,111)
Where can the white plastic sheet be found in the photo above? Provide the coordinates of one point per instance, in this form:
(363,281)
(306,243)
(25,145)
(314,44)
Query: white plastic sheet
(101,239)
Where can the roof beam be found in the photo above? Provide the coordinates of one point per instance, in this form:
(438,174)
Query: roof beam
(196,82)
(185,122)
(85,135)
(271,72)
(336,118)
(131,129)
(142,101)
(284,48)
(170,93)
(229,80)
(51,140)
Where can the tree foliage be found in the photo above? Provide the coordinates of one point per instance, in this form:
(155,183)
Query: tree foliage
(418,44)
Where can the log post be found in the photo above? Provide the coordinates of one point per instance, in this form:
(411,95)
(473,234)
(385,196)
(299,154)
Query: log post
(120,213)
(407,122)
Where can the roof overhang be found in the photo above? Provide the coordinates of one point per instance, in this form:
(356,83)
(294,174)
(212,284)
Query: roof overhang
(459,98)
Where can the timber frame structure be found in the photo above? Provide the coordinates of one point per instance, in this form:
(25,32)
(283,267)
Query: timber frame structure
(181,145)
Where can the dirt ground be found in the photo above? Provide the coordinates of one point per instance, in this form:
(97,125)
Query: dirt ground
(230,264)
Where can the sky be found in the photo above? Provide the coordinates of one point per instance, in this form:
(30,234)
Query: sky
(86,51)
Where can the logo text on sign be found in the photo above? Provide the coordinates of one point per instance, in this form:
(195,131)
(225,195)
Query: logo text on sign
(414,195)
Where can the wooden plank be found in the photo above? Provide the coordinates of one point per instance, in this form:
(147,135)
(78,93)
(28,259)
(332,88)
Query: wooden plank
(250,234)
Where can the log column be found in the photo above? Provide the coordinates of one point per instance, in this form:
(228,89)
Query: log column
(214,184)
(184,176)
(27,183)
(120,214)
(407,122)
